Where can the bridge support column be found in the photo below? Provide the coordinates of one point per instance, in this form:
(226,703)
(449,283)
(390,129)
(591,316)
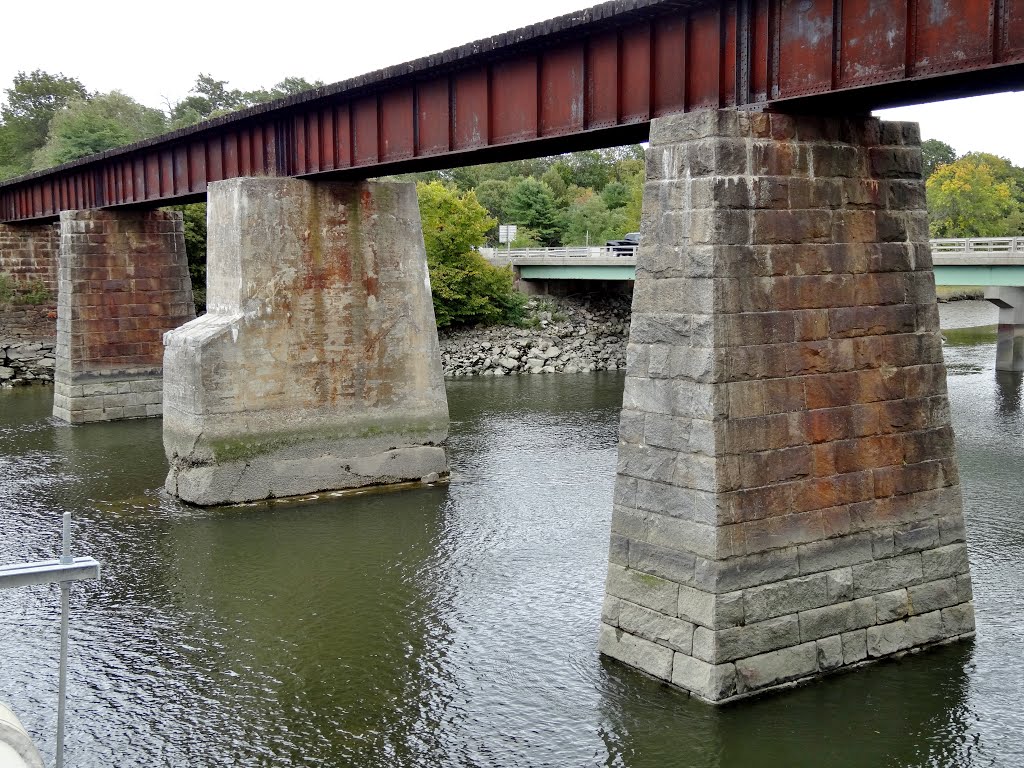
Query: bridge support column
(123,281)
(28,253)
(1010,341)
(317,366)
(787,501)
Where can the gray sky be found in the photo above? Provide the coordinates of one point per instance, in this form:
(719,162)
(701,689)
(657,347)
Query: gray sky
(153,52)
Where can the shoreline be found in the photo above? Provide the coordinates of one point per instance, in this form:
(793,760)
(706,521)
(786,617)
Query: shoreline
(570,334)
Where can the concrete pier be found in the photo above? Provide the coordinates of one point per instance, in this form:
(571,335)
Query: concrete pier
(787,501)
(317,366)
(123,281)
(1010,339)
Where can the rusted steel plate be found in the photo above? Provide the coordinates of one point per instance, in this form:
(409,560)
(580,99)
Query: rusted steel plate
(562,91)
(1010,43)
(471,127)
(602,87)
(513,101)
(805,47)
(668,60)
(581,81)
(704,47)
(874,41)
(433,117)
(635,74)
(397,128)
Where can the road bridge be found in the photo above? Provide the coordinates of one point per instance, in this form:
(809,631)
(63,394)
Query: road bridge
(787,501)
(989,261)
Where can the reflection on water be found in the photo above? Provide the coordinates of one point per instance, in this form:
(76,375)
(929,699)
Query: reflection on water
(451,625)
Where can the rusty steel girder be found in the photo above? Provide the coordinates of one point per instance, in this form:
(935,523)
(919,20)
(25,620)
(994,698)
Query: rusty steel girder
(588,79)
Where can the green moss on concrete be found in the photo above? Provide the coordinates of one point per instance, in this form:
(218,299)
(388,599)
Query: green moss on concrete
(249,446)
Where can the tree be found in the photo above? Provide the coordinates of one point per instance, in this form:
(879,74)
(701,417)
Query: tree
(465,287)
(936,153)
(615,194)
(103,122)
(31,102)
(493,194)
(966,200)
(211,98)
(589,221)
(532,205)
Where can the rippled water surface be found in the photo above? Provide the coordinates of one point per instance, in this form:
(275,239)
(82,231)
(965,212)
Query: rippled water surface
(454,626)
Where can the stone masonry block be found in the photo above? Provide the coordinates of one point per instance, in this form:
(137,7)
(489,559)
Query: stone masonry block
(711,682)
(780,598)
(886,575)
(942,562)
(643,589)
(656,627)
(854,646)
(890,606)
(933,595)
(779,666)
(652,658)
(747,640)
(958,620)
(836,619)
(830,652)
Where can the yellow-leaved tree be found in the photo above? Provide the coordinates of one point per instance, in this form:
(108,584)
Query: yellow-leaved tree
(966,199)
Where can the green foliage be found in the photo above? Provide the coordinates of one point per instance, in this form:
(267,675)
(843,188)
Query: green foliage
(194,220)
(211,98)
(557,183)
(936,153)
(493,194)
(33,292)
(466,288)
(615,194)
(31,103)
(531,204)
(589,221)
(103,122)
(965,199)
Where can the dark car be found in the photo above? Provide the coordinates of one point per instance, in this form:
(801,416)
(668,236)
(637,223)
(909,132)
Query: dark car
(626,246)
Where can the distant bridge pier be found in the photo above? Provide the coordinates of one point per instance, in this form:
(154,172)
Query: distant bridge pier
(28,253)
(122,282)
(787,501)
(317,366)
(1010,339)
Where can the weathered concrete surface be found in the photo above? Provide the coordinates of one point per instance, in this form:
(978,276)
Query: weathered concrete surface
(317,366)
(16,747)
(1010,338)
(123,281)
(28,253)
(787,501)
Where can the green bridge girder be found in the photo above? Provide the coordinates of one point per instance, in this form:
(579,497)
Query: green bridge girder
(945,274)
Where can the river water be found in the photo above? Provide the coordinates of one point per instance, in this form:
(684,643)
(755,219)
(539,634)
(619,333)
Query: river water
(454,626)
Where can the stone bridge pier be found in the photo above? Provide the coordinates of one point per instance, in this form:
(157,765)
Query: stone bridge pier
(787,501)
(1010,338)
(122,282)
(317,364)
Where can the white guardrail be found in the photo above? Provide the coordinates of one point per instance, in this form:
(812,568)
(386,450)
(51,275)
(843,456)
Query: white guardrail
(981,247)
(580,252)
(1003,246)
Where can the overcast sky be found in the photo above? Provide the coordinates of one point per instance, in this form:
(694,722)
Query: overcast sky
(153,52)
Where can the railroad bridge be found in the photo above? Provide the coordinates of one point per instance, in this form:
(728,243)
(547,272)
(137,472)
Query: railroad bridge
(787,501)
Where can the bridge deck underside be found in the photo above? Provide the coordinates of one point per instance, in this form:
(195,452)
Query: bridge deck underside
(589,79)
